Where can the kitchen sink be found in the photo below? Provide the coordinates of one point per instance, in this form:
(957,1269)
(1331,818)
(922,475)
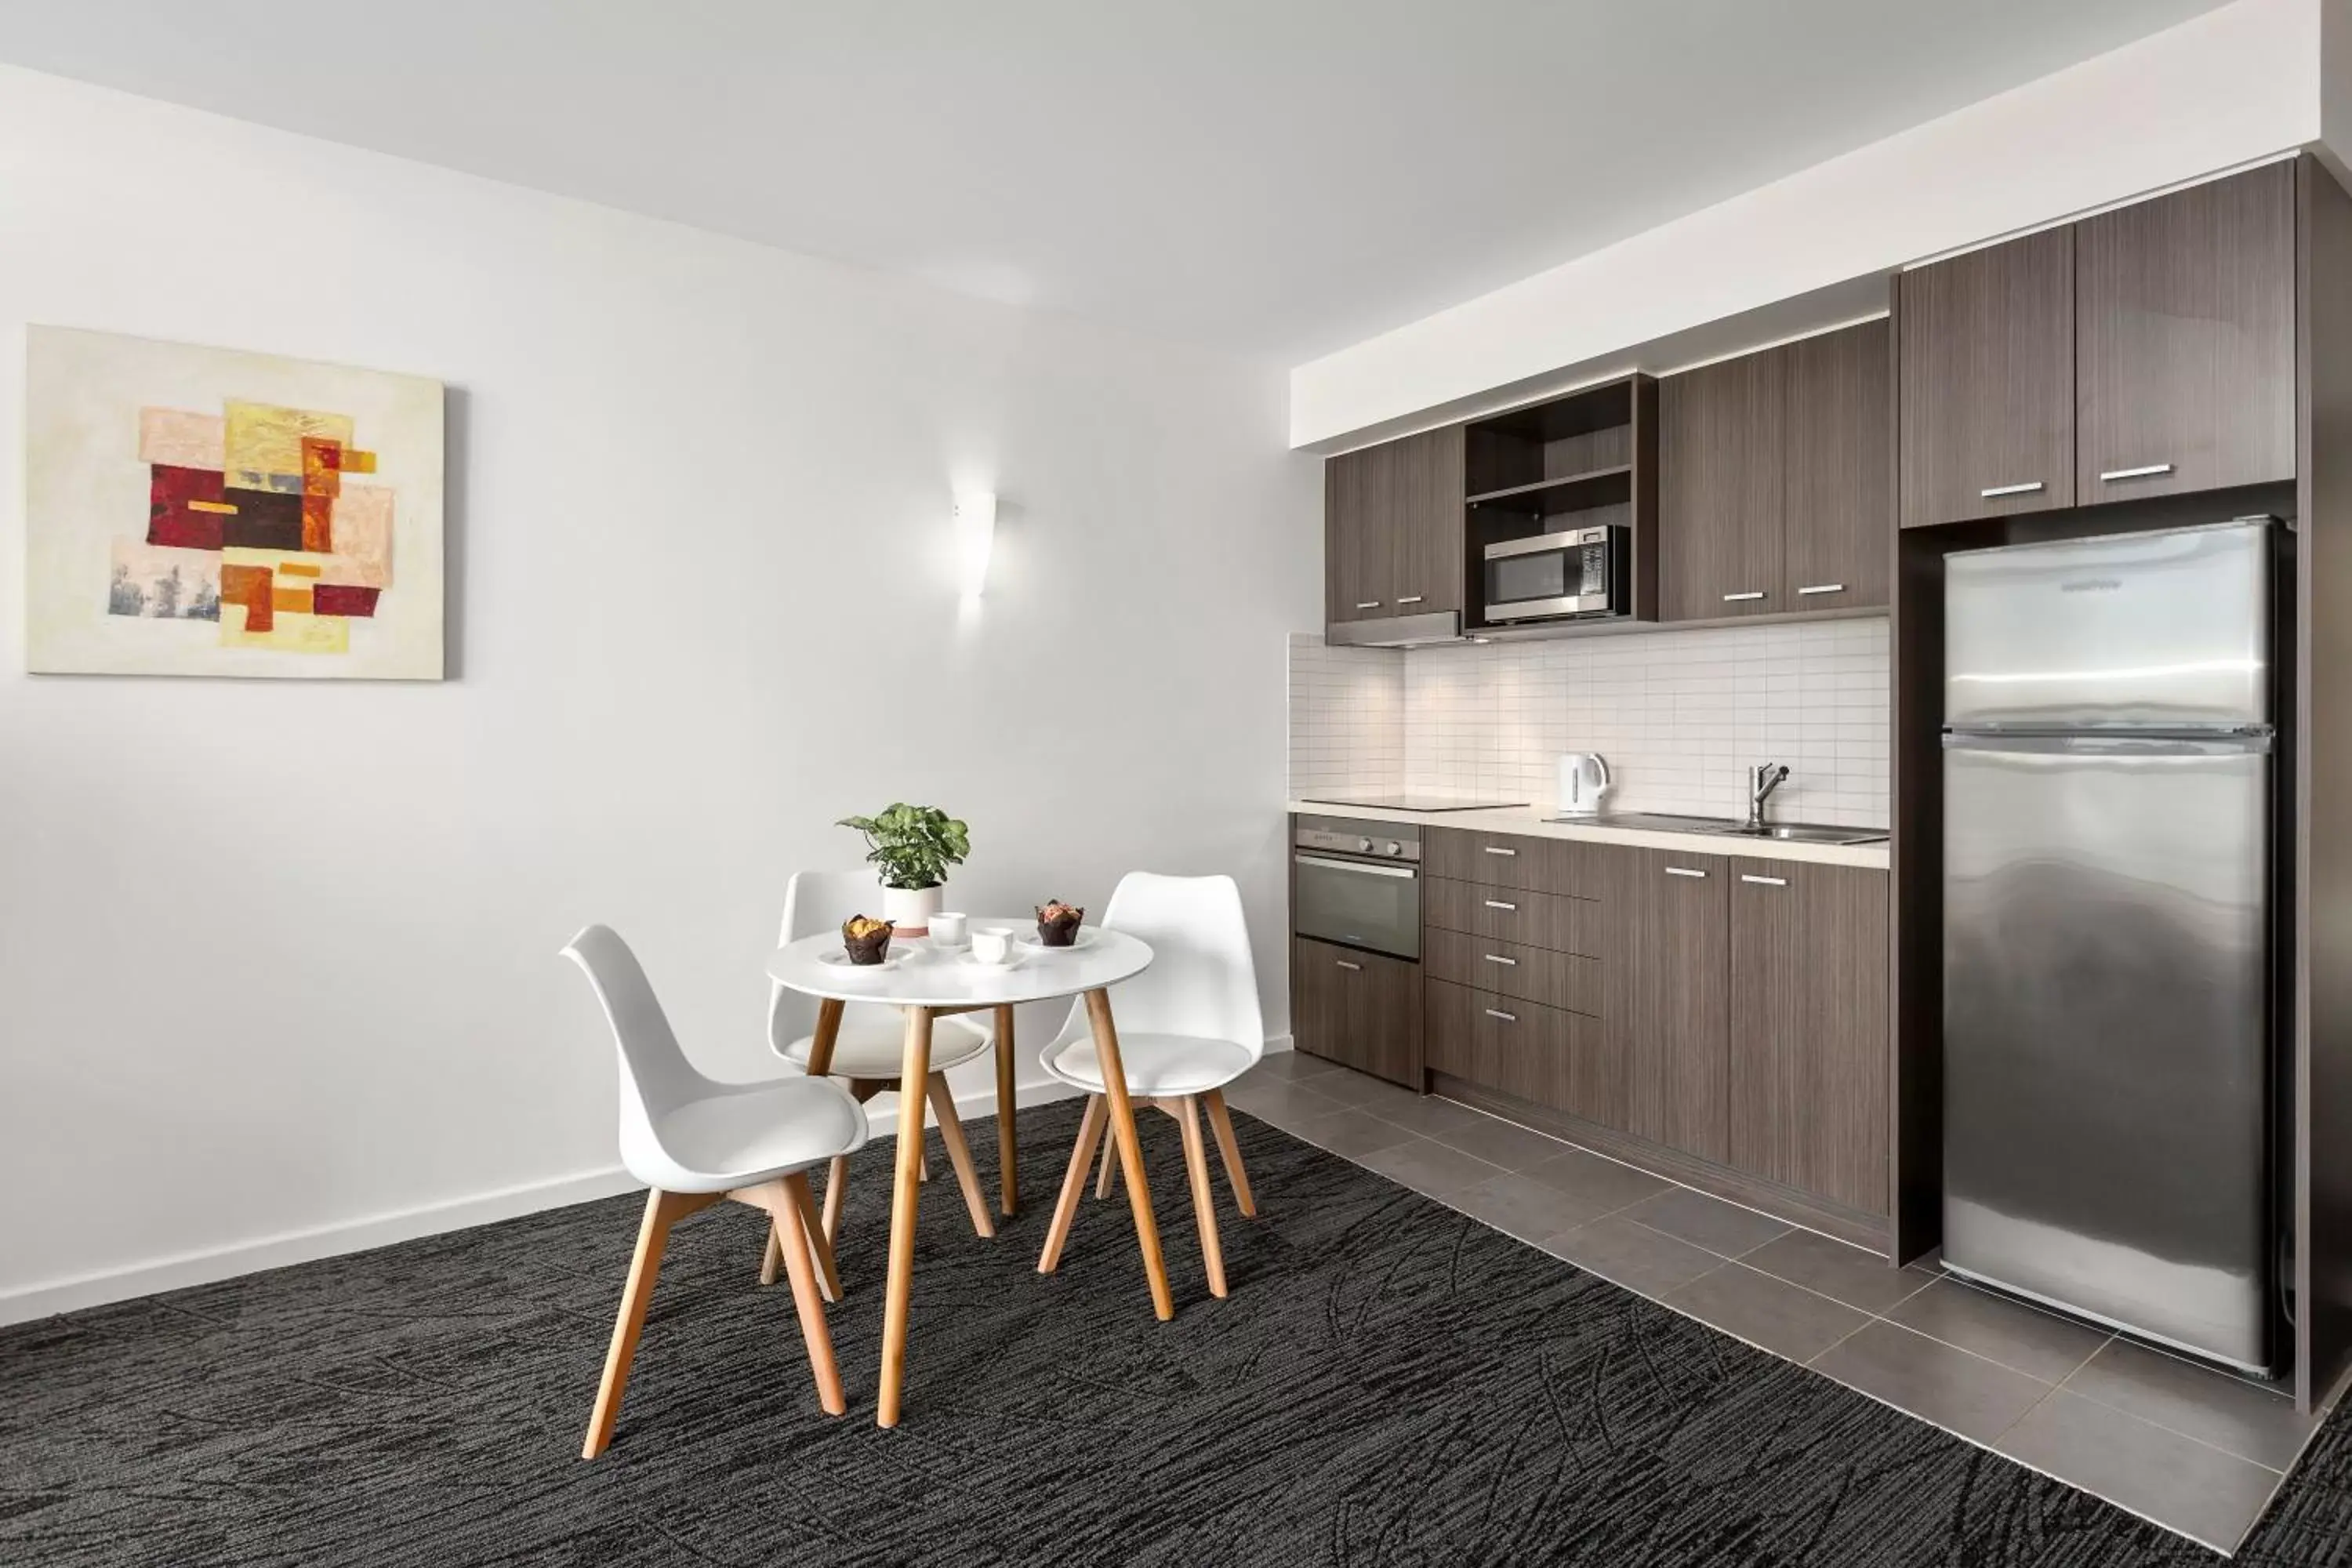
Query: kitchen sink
(1728,827)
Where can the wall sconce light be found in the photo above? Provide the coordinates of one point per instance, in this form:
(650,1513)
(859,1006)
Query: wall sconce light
(975,527)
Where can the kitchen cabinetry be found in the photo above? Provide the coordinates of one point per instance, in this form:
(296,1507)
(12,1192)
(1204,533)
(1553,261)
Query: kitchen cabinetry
(1392,528)
(1666,995)
(1360,1009)
(1545,1056)
(1839,473)
(1808,1058)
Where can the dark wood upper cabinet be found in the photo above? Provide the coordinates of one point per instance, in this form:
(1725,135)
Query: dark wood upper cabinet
(1721,443)
(1988,381)
(1665,994)
(1357,489)
(1358,1009)
(1840,506)
(2184,322)
(1809,1028)
(1426,523)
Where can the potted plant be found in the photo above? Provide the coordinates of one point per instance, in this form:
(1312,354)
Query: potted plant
(914,845)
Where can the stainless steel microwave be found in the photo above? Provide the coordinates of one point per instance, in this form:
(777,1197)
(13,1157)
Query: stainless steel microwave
(1583,572)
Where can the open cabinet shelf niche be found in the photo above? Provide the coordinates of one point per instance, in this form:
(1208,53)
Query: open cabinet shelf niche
(1588,459)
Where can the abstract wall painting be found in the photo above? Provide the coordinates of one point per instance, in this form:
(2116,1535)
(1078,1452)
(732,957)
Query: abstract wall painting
(203,511)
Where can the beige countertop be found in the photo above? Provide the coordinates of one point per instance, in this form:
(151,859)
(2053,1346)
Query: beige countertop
(1524,820)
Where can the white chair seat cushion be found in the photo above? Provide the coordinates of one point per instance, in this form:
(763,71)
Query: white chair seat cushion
(1155,1064)
(872,1043)
(743,1135)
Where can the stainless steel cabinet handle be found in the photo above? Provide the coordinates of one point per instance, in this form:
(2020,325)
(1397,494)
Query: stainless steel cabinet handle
(1505,962)
(1498,849)
(1994,492)
(1499,904)
(1764,881)
(1345,964)
(1685,871)
(1499,1012)
(1370,604)
(1821,588)
(1360,867)
(1411,598)
(2145,471)
(1735,598)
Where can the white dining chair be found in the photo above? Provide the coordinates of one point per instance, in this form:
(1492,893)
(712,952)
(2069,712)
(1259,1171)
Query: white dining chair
(694,1140)
(1188,1026)
(869,1047)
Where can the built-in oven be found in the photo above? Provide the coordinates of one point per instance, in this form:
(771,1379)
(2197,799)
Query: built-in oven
(1580,572)
(1358,884)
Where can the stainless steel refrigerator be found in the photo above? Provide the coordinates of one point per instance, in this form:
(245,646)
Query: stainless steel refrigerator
(2108,885)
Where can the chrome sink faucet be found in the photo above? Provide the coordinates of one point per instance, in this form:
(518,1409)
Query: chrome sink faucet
(1762,780)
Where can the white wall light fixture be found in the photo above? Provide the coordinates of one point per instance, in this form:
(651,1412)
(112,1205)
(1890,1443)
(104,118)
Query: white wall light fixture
(975,528)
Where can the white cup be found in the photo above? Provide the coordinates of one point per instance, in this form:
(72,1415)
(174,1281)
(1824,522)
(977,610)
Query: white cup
(992,944)
(947,928)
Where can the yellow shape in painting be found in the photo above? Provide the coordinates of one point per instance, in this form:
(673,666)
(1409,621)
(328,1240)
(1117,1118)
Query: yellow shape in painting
(290,632)
(357,462)
(264,441)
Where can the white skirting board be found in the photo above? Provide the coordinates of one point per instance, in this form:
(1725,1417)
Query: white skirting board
(202,1268)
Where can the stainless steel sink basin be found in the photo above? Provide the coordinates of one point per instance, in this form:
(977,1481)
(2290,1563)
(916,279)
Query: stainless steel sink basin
(1726,827)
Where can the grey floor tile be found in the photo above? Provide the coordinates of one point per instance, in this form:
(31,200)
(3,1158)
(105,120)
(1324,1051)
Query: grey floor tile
(1603,1186)
(2179,1482)
(1297,1065)
(2227,1411)
(1279,1100)
(1360,1089)
(1428,1166)
(1720,1227)
(2039,1344)
(1428,1115)
(1520,1206)
(1956,1391)
(1648,1261)
(1782,1318)
(1351,1133)
(1859,1278)
(1512,1147)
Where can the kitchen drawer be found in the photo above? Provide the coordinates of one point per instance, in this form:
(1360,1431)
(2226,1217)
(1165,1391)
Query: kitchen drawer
(1360,1009)
(1510,860)
(1551,921)
(1530,974)
(1545,1056)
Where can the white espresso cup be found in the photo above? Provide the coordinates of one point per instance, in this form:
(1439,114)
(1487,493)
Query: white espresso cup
(992,944)
(947,930)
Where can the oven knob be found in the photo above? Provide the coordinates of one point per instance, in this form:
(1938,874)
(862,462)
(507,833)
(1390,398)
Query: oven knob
(1394,849)
(1364,845)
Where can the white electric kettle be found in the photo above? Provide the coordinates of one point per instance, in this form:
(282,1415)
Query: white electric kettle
(1584,780)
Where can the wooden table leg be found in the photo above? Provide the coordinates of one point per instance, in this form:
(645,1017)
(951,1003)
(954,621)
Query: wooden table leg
(1007,1160)
(906,1194)
(1130,1150)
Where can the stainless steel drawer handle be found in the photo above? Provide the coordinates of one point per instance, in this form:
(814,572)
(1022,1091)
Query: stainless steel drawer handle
(1369,604)
(1821,588)
(1994,492)
(1736,598)
(1505,962)
(1685,871)
(1765,881)
(1499,904)
(1345,964)
(1498,849)
(1499,1012)
(1411,598)
(2145,471)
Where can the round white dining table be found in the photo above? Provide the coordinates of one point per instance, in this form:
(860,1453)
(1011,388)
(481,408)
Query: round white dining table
(929,983)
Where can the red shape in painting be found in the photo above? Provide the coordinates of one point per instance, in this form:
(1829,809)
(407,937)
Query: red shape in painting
(249,586)
(170,519)
(343,599)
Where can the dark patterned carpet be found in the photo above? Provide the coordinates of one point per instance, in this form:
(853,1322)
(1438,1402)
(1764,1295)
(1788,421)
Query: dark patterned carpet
(1389,1383)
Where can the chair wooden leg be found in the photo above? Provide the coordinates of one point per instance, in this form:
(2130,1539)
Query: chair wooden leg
(662,1211)
(828,1273)
(1109,1164)
(1231,1150)
(1074,1184)
(837,1187)
(1204,1202)
(1007,1152)
(944,1106)
(799,1263)
(772,1257)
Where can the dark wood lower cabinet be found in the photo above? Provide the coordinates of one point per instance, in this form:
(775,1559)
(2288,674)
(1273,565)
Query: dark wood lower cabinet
(1665,995)
(1545,1056)
(1358,1009)
(1530,974)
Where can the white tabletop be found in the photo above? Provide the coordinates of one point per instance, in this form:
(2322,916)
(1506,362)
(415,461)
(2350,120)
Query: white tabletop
(933,978)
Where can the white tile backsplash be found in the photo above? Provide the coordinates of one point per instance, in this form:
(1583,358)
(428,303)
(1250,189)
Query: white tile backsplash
(1679,714)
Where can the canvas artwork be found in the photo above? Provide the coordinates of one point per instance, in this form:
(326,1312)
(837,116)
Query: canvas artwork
(203,511)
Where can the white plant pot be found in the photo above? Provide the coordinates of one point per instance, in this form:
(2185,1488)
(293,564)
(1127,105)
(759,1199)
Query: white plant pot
(910,910)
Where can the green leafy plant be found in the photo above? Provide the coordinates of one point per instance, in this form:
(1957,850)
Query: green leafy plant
(914,845)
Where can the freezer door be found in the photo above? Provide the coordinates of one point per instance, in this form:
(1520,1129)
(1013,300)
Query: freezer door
(2162,629)
(2106,1030)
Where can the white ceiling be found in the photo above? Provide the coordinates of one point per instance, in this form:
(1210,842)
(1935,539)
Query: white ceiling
(1281,177)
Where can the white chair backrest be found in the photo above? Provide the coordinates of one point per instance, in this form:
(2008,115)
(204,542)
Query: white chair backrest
(815,901)
(655,1076)
(1201,982)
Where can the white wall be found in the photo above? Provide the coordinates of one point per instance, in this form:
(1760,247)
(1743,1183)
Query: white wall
(2236,84)
(277,957)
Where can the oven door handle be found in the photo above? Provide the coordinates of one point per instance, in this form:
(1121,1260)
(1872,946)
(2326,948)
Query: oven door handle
(1364,868)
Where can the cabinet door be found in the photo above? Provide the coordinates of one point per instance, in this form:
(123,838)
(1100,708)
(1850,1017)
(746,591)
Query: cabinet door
(1358,1009)
(1809,1028)
(2185,339)
(1987,382)
(1426,523)
(1720,453)
(1666,995)
(1840,512)
(1357,550)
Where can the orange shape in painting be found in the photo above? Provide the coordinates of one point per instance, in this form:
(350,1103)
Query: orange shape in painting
(249,586)
(295,600)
